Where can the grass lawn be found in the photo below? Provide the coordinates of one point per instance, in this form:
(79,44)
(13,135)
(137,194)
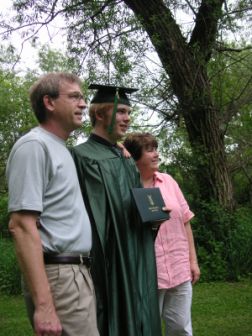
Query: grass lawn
(13,320)
(222,309)
(219,309)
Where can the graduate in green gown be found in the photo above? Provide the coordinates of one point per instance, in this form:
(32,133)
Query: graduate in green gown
(123,261)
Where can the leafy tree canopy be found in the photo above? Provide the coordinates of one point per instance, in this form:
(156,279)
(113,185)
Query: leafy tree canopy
(145,44)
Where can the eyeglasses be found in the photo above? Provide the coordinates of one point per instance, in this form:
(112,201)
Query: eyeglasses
(74,96)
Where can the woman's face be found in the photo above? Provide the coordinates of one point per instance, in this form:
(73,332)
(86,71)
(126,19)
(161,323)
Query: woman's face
(149,160)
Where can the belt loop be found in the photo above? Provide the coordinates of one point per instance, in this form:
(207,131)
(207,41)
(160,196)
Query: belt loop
(81,259)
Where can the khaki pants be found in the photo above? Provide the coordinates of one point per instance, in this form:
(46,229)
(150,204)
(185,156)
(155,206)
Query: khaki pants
(74,299)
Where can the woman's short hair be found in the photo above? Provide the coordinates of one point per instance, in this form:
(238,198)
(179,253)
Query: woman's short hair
(136,142)
(48,84)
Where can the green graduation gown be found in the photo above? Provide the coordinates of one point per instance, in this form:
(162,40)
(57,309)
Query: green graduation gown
(123,266)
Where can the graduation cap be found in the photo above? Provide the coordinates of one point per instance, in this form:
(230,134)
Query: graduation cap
(111,94)
(108,93)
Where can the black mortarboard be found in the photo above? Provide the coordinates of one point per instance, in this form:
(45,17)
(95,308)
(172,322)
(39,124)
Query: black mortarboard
(107,93)
(111,94)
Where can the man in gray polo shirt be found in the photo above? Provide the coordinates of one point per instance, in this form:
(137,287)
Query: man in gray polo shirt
(49,222)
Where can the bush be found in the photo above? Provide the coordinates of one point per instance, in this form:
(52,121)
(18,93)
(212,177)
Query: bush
(4,217)
(212,266)
(240,249)
(10,278)
(223,242)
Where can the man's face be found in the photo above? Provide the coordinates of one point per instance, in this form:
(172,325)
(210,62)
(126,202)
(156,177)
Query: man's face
(122,120)
(69,107)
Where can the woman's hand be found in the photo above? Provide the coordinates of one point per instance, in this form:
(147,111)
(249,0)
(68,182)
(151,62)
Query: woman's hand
(156,225)
(195,272)
(125,152)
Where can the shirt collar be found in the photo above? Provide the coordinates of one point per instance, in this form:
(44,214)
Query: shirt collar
(157,177)
(101,140)
(105,142)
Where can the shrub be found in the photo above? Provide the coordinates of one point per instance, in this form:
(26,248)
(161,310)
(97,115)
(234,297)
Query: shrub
(10,282)
(4,217)
(240,249)
(224,242)
(212,266)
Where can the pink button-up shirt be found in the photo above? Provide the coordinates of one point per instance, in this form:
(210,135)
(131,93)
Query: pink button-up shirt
(171,244)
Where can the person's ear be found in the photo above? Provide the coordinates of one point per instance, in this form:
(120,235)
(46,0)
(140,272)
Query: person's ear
(48,103)
(99,115)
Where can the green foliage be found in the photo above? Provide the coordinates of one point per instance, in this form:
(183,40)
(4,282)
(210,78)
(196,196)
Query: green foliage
(240,247)
(212,265)
(4,217)
(53,60)
(10,281)
(209,228)
(7,56)
(223,241)
(15,116)
(230,75)
(110,42)
(240,154)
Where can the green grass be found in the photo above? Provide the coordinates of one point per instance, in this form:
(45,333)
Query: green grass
(222,309)
(219,309)
(13,320)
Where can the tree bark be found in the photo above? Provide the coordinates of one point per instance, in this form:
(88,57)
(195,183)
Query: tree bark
(186,65)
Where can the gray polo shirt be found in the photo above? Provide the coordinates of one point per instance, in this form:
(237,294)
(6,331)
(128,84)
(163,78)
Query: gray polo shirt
(42,177)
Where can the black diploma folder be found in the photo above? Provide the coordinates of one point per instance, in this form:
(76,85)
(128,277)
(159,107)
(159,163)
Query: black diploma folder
(149,203)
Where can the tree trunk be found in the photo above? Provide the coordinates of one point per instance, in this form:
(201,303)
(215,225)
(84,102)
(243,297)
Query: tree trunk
(186,65)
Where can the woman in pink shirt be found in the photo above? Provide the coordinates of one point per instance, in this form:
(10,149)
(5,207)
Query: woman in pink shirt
(177,266)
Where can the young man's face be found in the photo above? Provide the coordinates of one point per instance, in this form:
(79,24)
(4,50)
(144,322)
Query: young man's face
(121,124)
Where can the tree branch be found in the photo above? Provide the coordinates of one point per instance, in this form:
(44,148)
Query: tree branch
(204,33)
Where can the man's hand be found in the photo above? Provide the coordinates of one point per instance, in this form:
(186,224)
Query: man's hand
(23,226)
(46,321)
